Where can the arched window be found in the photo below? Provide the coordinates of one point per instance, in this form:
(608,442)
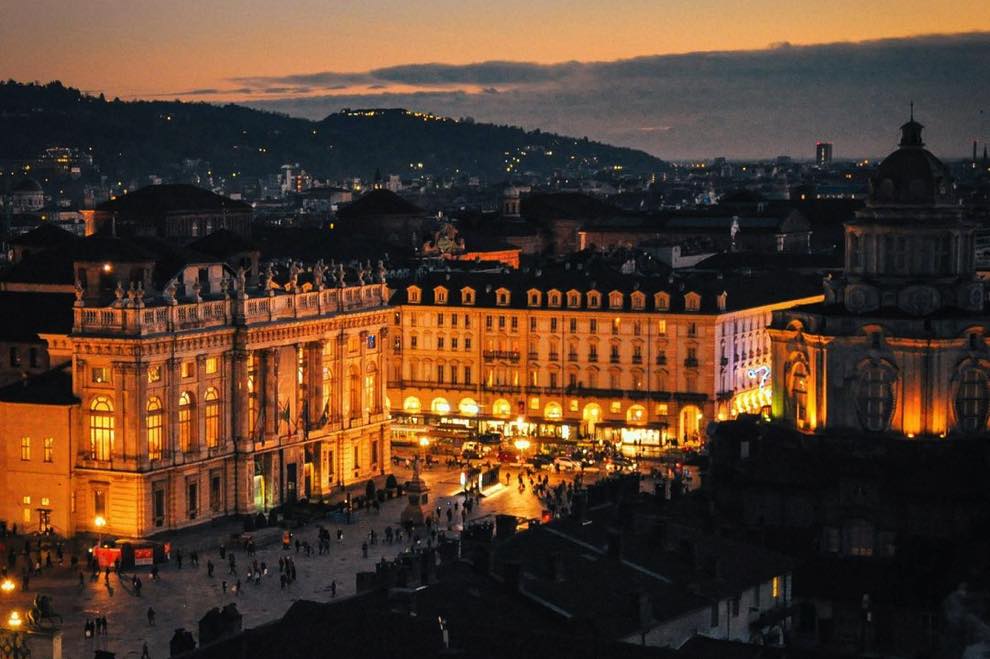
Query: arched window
(185,422)
(440,406)
(212,414)
(553,411)
(411,405)
(636,415)
(875,397)
(971,400)
(354,389)
(371,388)
(501,408)
(101,428)
(154,424)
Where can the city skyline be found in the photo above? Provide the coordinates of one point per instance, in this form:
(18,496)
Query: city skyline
(691,85)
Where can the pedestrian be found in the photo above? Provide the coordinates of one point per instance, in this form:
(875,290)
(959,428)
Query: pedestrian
(281,581)
(298,545)
(178,558)
(237,588)
(364,549)
(151,616)
(209,568)
(48,559)
(223,551)
(82,581)
(223,586)
(144,651)
(154,573)
(333,588)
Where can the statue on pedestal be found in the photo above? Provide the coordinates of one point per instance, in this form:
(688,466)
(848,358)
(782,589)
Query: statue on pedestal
(413,514)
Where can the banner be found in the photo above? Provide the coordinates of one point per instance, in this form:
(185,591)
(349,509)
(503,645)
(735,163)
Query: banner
(144,556)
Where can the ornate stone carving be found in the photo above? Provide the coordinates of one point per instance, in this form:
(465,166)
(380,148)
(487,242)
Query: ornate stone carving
(860,298)
(919,300)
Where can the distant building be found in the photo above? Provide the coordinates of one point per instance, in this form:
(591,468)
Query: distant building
(823,153)
(900,343)
(27,196)
(177,212)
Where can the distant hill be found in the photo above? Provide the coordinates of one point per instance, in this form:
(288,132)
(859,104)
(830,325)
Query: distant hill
(141,137)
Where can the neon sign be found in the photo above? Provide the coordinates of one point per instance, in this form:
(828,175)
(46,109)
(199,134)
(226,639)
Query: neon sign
(761,372)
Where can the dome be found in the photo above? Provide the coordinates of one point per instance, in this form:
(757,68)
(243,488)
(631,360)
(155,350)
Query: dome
(911,175)
(27,185)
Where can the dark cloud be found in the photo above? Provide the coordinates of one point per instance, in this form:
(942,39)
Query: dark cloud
(740,104)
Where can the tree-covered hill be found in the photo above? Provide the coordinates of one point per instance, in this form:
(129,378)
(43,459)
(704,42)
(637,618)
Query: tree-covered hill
(144,137)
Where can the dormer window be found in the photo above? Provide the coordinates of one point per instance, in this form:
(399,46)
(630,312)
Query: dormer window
(638,301)
(467,295)
(502,297)
(573,299)
(440,295)
(615,300)
(662,301)
(692,302)
(554,298)
(534,298)
(413,294)
(594,299)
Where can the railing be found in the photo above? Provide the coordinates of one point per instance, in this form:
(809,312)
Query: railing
(508,355)
(132,320)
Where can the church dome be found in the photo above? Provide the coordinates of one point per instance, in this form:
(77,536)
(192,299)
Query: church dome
(911,175)
(27,185)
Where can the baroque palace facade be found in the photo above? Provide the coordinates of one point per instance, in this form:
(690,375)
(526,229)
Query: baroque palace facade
(182,392)
(899,345)
(566,354)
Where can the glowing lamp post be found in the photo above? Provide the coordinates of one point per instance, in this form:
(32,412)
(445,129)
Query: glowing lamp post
(14,621)
(100,522)
(7,586)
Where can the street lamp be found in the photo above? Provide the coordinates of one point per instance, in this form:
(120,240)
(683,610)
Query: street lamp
(7,586)
(14,621)
(100,522)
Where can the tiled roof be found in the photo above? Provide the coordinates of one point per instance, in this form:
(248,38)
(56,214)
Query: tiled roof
(156,200)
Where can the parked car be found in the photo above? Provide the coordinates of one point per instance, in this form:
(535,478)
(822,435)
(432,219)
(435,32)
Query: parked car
(541,461)
(506,457)
(566,463)
(492,438)
(620,463)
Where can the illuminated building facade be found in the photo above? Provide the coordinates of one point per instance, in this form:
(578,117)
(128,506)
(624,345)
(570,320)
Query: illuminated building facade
(198,394)
(565,355)
(900,343)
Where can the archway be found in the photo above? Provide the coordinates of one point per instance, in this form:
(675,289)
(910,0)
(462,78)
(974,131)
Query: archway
(440,406)
(690,425)
(591,415)
(501,408)
(411,405)
(468,407)
(636,415)
(553,411)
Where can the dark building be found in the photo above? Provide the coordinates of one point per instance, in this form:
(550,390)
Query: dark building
(823,153)
(177,212)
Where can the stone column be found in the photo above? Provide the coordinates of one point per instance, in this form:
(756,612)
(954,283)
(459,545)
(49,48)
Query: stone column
(314,381)
(269,401)
(239,395)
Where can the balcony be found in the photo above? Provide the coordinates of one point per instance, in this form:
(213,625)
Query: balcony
(533,356)
(500,355)
(593,357)
(554,356)
(572,357)
(614,359)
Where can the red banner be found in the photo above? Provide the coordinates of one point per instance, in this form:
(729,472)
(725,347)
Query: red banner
(144,556)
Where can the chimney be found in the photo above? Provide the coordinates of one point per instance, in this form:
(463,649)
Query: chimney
(555,565)
(643,608)
(614,547)
(512,576)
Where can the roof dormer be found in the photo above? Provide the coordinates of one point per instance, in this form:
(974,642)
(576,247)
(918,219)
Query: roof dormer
(414,294)
(573,299)
(440,295)
(467,295)
(661,300)
(692,301)
(502,297)
(615,300)
(638,300)
(534,297)
(554,298)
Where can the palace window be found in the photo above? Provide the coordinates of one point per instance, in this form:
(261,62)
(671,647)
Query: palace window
(188,369)
(971,400)
(100,375)
(154,374)
(49,449)
(185,422)
(875,397)
(154,424)
(25,448)
(212,365)
(101,428)
(212,416)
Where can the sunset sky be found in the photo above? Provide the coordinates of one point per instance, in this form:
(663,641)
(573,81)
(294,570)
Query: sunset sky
(309,57)
(144,47)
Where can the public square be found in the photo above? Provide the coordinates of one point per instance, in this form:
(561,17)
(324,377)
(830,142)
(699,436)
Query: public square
(182,596)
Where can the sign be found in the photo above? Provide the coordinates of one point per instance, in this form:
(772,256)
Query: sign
(144,556)
(760,372)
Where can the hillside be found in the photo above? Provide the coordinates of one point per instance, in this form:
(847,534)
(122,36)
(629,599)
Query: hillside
(142,137)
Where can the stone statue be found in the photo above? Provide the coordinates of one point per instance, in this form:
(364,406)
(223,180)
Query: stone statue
(169,291)
(118,293)
(225,286)
(196,289)
(139,296)
(362,274)
(266,278)
(241,281)
(340,275)
(318,270)
(294,271)
(381,272)
(80,293)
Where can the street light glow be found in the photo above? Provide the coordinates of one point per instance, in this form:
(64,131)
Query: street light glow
(14,620)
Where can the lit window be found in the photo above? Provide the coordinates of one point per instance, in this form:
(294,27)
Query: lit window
(100,375)
(49,449)
(188,369)
(615,407)
(661,409)
(212,417)
(534,403)
(154,374)
(153,422)
(211,365)
(101,428)
(45,501)
(25,448)
(775,587)
(662,327)
(185,421)
(26,501)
